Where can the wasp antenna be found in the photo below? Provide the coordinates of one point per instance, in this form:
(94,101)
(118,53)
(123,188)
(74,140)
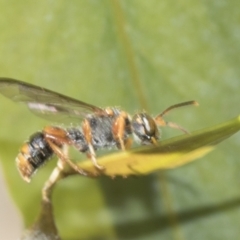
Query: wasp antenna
(195,103)
(176,126)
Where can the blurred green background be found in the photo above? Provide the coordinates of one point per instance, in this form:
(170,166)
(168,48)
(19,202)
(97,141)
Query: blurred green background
(135,54)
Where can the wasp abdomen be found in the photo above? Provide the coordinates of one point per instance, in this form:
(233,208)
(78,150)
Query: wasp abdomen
(33,154)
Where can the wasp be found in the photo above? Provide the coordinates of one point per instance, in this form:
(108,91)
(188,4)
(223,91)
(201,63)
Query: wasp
(97,127)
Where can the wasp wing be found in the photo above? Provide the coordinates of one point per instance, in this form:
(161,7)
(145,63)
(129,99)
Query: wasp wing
(45,103)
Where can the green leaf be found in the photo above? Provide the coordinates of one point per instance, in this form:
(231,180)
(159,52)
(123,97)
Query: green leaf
(137,55)
(170,154)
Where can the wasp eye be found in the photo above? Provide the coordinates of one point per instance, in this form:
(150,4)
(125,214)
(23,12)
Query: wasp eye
(144,127)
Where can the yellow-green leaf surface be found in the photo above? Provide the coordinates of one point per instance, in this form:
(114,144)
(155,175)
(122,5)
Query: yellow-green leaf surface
(168,154)
(137,55)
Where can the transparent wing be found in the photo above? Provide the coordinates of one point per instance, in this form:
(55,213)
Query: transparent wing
(46,103)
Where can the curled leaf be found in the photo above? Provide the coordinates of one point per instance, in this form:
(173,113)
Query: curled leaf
(44,227)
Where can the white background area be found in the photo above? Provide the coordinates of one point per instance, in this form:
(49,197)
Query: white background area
(10,221)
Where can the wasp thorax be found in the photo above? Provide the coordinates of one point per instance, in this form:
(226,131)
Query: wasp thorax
(145,128)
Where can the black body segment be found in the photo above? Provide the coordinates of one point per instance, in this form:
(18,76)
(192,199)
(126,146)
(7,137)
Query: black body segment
(39,150)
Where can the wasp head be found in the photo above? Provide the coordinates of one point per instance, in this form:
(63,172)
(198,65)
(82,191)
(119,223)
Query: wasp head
(145,128)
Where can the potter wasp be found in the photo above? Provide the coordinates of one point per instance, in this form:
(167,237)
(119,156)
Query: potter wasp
(97,128)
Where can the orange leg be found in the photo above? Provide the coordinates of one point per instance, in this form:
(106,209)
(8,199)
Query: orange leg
(88,136)
(56,138)
(57,135)
(119,129)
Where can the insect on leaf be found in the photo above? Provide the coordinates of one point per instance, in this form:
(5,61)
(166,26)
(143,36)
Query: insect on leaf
(169,154)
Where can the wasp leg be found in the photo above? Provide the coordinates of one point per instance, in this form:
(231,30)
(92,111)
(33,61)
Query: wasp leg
(88,136)
(49,184)
(118,131)
(56,138)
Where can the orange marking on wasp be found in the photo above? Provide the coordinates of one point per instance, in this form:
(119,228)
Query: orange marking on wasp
(119,128)
(97,128)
